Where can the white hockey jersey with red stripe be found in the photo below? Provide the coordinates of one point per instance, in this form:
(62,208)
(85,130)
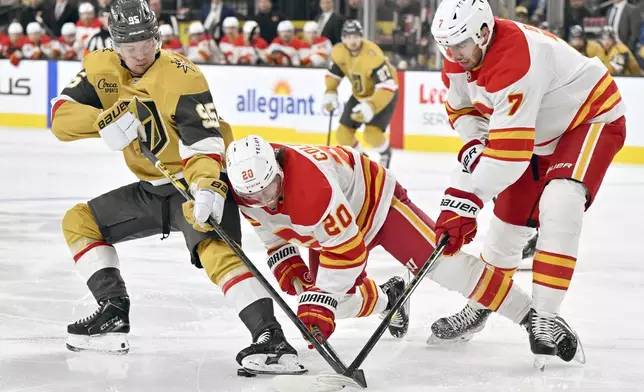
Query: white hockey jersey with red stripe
(530,89)
(229,48)
(335,200)
(318,54)
(84,31)
(67,51)
(295,50)
(203,51)
(42,49)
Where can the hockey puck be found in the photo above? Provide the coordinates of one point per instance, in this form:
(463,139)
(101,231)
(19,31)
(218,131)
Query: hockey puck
(241,372)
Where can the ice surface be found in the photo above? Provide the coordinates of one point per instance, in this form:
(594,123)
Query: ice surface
(185,337)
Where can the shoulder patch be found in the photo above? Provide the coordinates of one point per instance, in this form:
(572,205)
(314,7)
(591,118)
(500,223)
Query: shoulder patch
(507,60)
(307,192)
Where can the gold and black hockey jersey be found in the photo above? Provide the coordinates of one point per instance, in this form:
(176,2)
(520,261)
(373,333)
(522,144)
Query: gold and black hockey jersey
(182,127)
(371,75)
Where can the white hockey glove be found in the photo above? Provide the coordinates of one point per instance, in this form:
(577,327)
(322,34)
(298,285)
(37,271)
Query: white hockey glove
(362,112)
(330,102)
(470,155)
(117,126)
(210,198)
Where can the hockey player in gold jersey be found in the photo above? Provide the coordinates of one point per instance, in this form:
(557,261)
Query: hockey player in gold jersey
(589,48)
(618,58)
(136,94)
(374,90)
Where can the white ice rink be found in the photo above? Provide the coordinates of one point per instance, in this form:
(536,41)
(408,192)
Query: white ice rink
(185,337)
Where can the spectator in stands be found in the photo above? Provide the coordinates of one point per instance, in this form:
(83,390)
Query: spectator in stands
(320,46)
(212,16)
(521,15)
(626,21)
(37,11)
(354,9)
(38,45)
(267,18)
(164,17)
(589,48)
(88,24)
(575,14)
(12,49)
(169,41)
(329,22)
(230,38)
(287,48)
(102,39)
(251,49)
(68,47)
(619,59)
(64,12)
(536,10)
(9,11)
(202,49)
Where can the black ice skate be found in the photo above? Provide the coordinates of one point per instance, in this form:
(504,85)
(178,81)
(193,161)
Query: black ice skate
(399,323)
(271,354)
(460,327)
(569,345)
(103,331)
(385,157)
(541,329)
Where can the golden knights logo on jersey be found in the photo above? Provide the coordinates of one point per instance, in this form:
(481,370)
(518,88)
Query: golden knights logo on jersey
(153,133)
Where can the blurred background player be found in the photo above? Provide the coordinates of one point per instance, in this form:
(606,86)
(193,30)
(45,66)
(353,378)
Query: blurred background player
(88,24)
(102,39)
(539,132)
(352,205)
(230,38)
(286,48)
(374,91)
(12,48)
(166,107)
(319,47)
(68,47)
(202,49)
(252,48)
(168,41)
(38,45)
(618,57)
(589,48)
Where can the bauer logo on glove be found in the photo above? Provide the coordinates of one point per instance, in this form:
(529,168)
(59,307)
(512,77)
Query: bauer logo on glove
(111,115)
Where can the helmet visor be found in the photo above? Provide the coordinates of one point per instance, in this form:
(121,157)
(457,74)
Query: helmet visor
(143,48)
(265,197)
(462,50)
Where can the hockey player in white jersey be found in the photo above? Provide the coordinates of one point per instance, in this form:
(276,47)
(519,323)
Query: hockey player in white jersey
(541,124)
(338,203)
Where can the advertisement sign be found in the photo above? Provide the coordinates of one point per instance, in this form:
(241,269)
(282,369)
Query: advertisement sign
(425,97)
(23,93)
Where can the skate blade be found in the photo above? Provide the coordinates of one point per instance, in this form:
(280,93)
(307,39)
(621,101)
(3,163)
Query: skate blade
(323,382)
(288,364)
(580,354)
(434,340)
(540,362)
(110,343)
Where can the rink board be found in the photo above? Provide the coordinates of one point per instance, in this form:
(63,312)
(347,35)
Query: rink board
(284,104)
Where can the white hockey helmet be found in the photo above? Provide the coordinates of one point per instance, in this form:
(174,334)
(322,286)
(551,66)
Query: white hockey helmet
(285,26)
(253,171)
(165,30)
(456,21)
(249,25)
(68,28)
(231,22)
(34,28)
(85,8)
(15,28)
(196,28)
(310,27)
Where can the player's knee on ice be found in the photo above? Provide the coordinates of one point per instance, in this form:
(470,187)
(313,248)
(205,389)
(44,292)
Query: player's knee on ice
(79,224)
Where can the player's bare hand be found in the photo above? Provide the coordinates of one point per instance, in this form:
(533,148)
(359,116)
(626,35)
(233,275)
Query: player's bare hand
(362,112)
(457,219)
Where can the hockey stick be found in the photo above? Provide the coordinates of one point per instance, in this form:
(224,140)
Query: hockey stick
(333,361)
(328,134)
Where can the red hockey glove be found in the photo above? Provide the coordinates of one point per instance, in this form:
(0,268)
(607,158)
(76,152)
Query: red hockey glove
(287,265)
(458,219)
(317,310)
(470,155)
